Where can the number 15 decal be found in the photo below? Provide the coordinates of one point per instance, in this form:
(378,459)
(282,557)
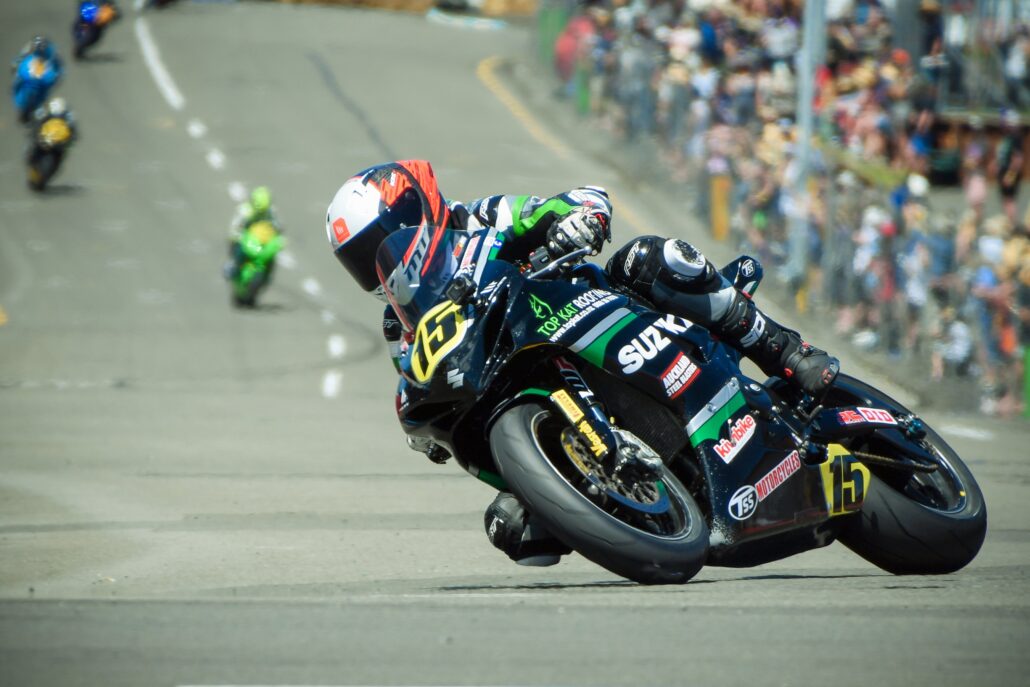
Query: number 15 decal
(845,481)
(437,334)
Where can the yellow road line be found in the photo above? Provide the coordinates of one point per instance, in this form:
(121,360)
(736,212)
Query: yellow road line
(3,316)
(486,73)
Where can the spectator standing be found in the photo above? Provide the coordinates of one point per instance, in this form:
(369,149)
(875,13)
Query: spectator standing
(974,167)
(1009,162)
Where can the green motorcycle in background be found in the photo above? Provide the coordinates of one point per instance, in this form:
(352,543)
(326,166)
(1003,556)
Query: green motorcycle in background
(258,246)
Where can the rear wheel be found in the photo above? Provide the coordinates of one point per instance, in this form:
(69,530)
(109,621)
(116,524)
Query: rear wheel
(912,522)
(649,531)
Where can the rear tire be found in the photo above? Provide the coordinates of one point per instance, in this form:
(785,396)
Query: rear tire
(517,441)
(927,524)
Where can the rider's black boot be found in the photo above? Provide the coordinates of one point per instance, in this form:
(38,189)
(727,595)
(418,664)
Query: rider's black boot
(775,349)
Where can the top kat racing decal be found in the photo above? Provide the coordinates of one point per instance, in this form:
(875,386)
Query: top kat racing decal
(679,375)
(556,323)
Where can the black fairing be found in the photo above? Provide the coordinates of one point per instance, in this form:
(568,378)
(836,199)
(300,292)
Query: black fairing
(661,377)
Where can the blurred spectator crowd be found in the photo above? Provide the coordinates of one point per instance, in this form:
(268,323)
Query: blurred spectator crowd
(916,240)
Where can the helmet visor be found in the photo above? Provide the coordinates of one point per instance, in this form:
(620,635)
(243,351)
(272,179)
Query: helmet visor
(358,253)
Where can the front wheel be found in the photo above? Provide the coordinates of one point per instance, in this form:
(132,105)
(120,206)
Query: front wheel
(912,523)
(664,540)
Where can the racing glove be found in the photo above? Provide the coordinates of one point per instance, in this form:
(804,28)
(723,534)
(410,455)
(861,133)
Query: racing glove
(583,227)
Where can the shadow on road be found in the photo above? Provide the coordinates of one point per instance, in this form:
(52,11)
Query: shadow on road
(614,584)
(101,57)
(265,308)
(539,586)
(58,190)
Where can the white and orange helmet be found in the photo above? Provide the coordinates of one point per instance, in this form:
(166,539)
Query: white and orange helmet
(375,203)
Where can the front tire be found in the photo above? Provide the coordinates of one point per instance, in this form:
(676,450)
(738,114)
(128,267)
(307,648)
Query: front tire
(530,458)
(918,523)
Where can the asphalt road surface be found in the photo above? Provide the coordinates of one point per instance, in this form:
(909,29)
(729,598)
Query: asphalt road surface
(191,494)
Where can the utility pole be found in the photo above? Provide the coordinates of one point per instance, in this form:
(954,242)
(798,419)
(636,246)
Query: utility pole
(807,61)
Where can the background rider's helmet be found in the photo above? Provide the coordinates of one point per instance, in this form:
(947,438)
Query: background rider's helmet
(88,11)
(375,203)
(41,47)
(261,199)
(57,107)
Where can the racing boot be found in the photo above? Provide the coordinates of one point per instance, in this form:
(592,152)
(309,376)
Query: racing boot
(513,530)
(778,351)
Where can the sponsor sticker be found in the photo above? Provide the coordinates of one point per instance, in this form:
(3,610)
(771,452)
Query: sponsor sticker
(778,475)
(340,230)
(455,378)
(541,309)
(861,415)
(596,445)
(849,417)
(650,342)
(627,267)
(747,268)
(679,376)
(556,323)
(743,503)
(878,415)
(470,253)
(567,405)
(740,433)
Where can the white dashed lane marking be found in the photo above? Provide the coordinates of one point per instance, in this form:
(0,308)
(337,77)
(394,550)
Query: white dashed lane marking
(196,128)
(215,158)
(332,382)
(337,346)
(311,287)
(237,191)
(286,259)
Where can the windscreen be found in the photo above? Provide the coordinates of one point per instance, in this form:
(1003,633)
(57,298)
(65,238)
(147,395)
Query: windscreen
(415,266)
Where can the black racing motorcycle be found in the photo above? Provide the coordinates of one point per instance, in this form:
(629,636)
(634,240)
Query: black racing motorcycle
(634,436)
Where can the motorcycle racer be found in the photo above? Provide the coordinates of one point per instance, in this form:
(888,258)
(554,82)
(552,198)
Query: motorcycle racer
(91,18)
(36,70)
(257,208)
(670,273)
(53,130)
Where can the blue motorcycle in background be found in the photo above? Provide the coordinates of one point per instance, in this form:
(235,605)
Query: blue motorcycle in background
(36,72)
(90,23)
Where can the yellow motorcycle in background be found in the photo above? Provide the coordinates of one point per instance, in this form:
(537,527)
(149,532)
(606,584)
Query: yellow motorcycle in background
(48,146)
